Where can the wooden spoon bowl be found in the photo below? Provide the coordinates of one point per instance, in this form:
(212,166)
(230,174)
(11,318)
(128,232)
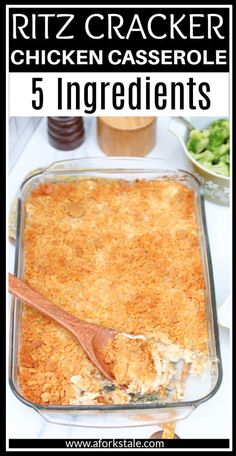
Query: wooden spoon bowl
(93,338)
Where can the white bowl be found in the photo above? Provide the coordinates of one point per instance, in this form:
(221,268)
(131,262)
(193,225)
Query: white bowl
(215,186)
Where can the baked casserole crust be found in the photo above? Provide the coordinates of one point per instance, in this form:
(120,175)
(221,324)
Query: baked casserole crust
(120,254)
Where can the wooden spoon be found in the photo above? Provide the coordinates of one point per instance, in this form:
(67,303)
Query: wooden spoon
(93,338)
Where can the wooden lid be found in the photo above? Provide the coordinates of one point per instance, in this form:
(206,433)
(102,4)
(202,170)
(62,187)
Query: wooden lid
(127,123)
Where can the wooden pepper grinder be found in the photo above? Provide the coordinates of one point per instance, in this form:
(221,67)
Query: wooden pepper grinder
(65,133)
(130,136)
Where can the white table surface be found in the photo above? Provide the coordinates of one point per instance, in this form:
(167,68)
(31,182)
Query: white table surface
(211,419)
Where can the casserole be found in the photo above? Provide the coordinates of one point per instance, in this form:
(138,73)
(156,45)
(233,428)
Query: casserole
(132,414)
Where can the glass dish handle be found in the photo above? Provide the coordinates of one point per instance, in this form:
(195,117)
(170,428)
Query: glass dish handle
(62,165)
(97,163)
(137,418)
(58,418)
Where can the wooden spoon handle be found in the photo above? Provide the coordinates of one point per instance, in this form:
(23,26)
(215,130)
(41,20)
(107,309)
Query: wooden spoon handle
(34,299)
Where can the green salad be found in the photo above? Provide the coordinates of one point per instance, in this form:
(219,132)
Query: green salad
(210,147)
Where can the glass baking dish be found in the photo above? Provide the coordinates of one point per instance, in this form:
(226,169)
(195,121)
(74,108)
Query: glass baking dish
(198,389)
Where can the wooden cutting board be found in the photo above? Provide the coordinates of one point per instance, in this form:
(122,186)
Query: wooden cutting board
(126,136)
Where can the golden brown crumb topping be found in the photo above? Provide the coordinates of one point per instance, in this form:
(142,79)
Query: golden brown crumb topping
(121,254)
(130,359)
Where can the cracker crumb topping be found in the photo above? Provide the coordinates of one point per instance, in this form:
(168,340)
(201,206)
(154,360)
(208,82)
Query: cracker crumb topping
(120,254)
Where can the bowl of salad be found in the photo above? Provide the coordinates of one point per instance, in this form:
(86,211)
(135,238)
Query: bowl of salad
(206,145)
